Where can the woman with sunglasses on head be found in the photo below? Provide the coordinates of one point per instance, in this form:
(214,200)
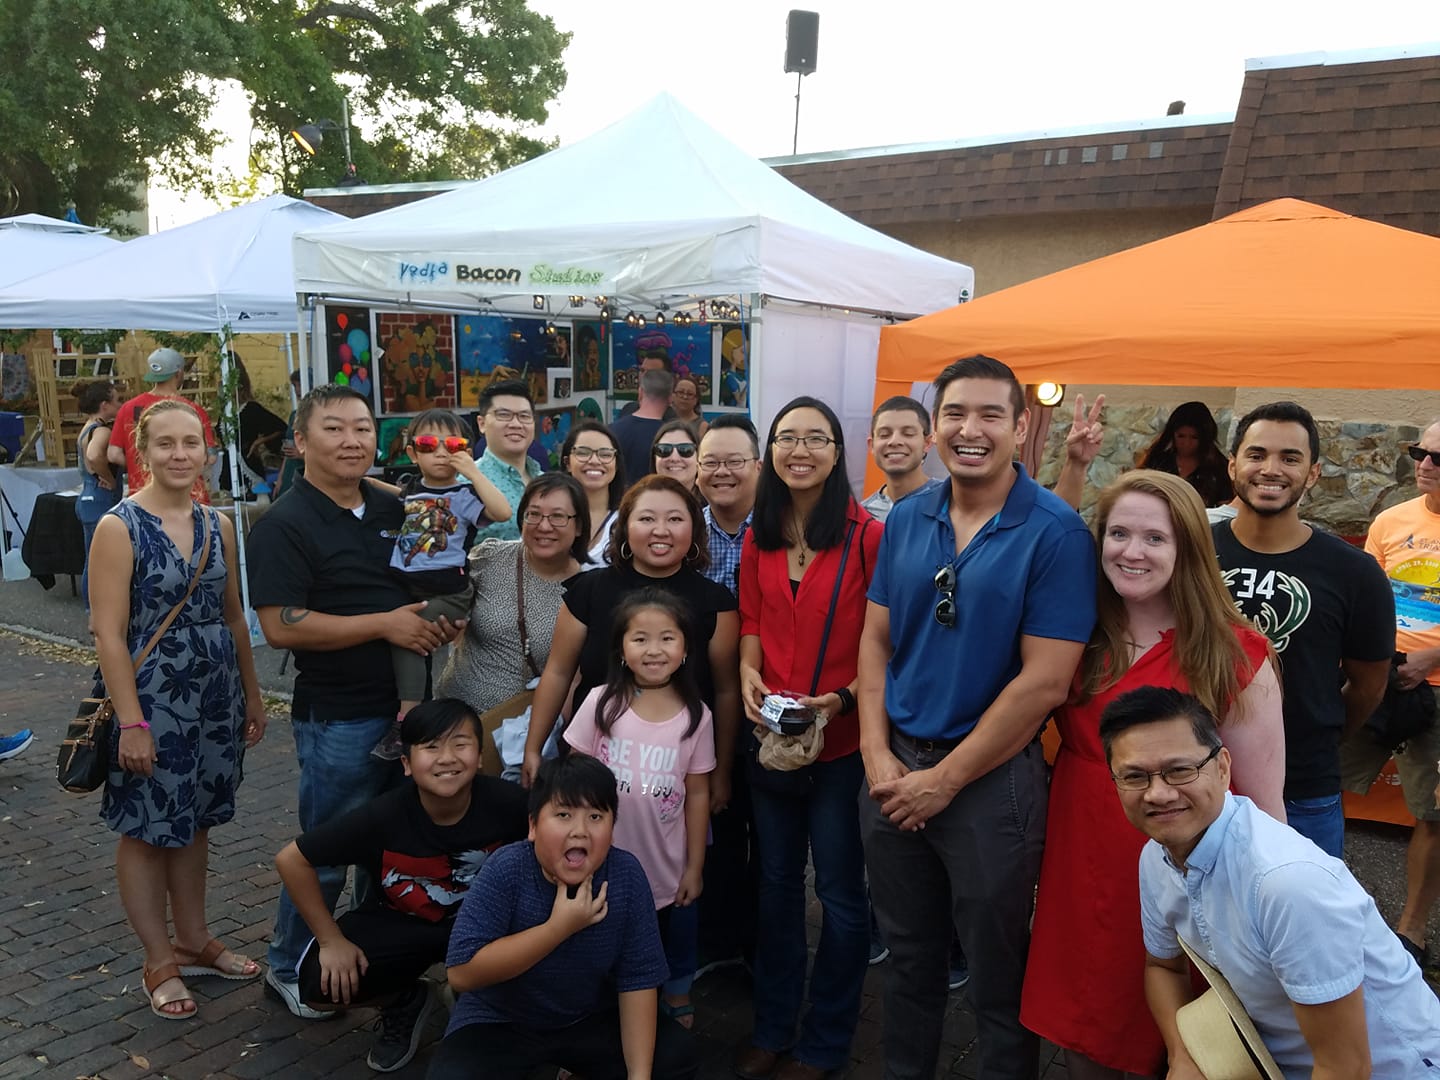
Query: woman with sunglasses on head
(444,506)
(674,453)
(658,539)
(592,456)
(685,400)
(804,571)
(1164,619)
(518,585)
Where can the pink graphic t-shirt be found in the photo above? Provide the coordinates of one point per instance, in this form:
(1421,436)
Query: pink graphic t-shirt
(650,763)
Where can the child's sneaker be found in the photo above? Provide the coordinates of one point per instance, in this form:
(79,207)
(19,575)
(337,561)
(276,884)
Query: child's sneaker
(401,1026)
(388,748)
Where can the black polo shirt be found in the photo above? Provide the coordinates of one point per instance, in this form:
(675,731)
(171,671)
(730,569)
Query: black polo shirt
(308,552)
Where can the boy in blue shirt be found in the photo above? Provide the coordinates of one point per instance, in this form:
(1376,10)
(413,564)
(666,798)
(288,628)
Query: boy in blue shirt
(556,954)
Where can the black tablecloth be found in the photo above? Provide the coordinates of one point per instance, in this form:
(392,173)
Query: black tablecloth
(54,542)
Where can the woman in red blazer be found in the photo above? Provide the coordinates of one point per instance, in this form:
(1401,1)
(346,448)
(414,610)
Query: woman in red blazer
(804,572)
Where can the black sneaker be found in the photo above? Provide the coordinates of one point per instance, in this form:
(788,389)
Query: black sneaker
(401,1025)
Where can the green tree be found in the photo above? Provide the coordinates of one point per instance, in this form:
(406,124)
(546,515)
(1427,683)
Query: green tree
(95,93)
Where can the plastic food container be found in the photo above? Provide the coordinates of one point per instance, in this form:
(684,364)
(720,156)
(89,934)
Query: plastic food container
(784,715)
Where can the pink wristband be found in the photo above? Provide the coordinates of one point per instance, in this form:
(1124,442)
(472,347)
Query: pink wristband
(142,723)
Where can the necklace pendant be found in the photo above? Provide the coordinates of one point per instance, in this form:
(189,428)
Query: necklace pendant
(802,556)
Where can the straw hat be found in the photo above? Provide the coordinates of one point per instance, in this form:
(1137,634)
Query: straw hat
(1219,1035)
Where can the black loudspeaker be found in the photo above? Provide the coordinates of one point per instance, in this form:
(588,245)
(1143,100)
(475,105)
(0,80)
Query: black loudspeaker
(802,33)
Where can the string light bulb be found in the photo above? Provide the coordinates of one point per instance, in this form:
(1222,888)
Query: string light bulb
(1050,394)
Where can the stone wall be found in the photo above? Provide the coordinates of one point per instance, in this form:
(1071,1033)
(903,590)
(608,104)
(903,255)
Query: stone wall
(1363,466)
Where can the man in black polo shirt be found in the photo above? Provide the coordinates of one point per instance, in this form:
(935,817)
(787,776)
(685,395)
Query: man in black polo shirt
(321,585)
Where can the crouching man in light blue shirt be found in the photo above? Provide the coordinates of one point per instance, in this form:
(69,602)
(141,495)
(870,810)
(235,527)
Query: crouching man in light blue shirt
(1326,982)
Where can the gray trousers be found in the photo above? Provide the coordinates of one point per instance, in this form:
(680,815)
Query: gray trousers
(973,867)
(412,670)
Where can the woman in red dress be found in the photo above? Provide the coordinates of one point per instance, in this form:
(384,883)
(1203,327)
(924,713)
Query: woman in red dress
(1164,619)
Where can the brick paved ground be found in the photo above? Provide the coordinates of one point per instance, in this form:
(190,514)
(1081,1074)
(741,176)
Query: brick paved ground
(70,999)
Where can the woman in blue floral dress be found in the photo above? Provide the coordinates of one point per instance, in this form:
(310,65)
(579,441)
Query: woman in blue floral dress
(186,716)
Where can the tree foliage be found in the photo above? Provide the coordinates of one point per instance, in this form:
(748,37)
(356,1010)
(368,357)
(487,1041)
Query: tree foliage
(93,93)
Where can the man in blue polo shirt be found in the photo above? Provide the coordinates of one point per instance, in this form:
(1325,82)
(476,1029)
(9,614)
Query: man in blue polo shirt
(981,604)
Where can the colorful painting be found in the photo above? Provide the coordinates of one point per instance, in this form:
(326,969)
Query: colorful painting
(592,356)
(591,407)
(494,347)
(390,443)
(683,350)
(551,430)
(734,366)
(349,357)
(417,366)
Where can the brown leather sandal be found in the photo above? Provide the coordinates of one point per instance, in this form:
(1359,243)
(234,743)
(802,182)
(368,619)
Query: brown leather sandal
(206,962)
(153,980)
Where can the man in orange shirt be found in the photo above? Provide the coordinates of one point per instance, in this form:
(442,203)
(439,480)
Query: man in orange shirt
(1405,540)
(165,371)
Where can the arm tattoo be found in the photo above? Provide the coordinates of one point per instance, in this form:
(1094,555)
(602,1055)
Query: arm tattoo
(292,615)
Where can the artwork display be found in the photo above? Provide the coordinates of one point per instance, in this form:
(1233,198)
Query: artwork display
(592,356)
(417,365)
(590,407)
(348,355)
(390,443)
(682,350)
(552,428)
(734,366)
(494,347)
(561,384)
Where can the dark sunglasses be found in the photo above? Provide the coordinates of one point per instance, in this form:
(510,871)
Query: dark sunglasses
(1417,455)
(684,449)
(946,582)
(428,444)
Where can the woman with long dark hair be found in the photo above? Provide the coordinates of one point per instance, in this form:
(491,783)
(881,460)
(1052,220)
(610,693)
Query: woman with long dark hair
(804,572)
(592,456)
(1189,447)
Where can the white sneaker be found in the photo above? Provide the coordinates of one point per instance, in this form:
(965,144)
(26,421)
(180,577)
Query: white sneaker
(289,993)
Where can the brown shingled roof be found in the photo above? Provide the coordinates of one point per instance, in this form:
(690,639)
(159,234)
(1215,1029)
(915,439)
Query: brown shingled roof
(1145,169)
(1362,137)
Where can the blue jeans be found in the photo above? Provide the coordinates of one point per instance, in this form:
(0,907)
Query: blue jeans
(1321,820)
(89,529)
(337,775)
(680,935)
(814,809)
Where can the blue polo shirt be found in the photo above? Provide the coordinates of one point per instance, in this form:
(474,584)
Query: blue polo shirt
(1029,571)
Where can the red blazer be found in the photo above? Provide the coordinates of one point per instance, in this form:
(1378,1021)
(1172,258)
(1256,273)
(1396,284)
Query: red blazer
(790,628)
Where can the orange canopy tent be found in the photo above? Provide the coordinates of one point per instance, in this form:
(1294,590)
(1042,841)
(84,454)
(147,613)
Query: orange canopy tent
(1287,293)
(1283,294)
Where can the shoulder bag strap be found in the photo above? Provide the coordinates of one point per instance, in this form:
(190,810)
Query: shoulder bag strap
(834,602)
(520,594)
(194,580)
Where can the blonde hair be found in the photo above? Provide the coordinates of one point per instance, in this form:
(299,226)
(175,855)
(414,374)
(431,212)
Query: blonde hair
(1207,650)
(141,435)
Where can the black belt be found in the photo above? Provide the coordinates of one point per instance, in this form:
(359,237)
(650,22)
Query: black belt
(924,746)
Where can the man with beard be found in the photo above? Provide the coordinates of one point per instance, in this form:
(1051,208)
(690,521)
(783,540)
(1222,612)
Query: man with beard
(1325,606)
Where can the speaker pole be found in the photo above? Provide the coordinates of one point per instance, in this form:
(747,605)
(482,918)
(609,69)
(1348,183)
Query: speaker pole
(795,142)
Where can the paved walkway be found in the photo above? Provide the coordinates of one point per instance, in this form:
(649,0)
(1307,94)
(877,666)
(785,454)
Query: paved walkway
(70,998)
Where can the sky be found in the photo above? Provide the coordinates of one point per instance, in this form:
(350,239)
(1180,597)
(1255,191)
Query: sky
(904,71)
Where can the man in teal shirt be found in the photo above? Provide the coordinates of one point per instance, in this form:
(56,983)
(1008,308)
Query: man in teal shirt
(507,420)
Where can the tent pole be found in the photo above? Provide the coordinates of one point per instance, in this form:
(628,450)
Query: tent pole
(751,323)
(232,454)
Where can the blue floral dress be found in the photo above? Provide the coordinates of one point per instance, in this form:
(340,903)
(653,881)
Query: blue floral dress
(189,688)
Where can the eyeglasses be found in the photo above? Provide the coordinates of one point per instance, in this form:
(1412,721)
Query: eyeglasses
(428,444)
(601,453)
(812,442)
(734,464)
(946,581)
(558,519)
(1174,776)
(1418,455)
(684,449)
(506,415)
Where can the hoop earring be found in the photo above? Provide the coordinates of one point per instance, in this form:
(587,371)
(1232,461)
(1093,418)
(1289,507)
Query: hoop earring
(694,552)
(625,555)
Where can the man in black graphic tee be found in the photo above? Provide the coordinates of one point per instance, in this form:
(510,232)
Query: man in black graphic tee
(1326,607)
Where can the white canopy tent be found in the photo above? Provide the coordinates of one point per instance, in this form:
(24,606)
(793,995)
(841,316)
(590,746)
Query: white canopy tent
(226,274)
(656,212)
(33,244)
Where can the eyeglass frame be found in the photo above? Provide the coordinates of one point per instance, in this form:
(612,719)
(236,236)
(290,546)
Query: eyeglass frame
(732,464)
(665,450)
(1199,766)
(585,453)
(947,582)
(1418,454)
(812,442)
(527,419)
(532,516)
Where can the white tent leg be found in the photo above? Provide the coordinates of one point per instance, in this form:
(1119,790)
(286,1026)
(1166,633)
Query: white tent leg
(232,448)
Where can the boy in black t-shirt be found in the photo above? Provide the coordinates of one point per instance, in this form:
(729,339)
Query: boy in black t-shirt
(423,843)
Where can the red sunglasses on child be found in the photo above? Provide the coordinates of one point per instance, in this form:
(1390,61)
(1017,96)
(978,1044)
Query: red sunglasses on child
(428,444)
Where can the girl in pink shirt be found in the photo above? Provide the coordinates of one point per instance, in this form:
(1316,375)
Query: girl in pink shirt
(648,724)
